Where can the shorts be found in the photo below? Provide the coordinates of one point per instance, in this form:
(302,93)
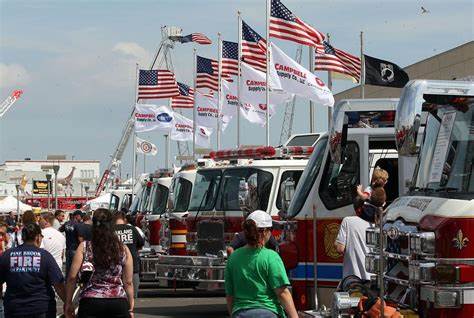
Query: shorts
(103,307)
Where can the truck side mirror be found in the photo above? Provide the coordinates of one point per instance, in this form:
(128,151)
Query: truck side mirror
(171,200)
(287,191)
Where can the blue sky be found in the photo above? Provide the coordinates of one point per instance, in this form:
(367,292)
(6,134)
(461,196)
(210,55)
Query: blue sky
(75,61)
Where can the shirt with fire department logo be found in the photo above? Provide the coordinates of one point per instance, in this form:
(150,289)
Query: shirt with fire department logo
(29,272)
(129,236)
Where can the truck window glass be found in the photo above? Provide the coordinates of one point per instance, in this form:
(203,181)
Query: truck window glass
(114,201)
(293,174)
(308,177)
(160,197)
(228,198)
(182,193)
(339,180)
(205,189)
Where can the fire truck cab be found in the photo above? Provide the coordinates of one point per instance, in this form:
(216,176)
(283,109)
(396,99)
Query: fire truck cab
(361,137)
(249,177)
(425,252)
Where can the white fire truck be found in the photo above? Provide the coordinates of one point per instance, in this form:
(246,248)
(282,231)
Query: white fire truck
(361,137)
(214,212)
(426,252)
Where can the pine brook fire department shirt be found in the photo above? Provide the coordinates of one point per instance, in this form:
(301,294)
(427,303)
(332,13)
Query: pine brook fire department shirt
(29,272)
(129,236)
(252,275)
(352,236)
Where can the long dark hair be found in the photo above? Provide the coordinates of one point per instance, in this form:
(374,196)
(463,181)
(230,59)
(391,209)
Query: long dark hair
(106,247)
(251,233)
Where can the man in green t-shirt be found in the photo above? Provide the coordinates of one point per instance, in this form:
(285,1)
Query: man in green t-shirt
(255,277)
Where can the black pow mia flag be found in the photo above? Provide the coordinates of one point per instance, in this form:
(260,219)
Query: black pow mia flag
(384,73)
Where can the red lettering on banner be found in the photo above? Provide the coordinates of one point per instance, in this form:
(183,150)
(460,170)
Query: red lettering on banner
(289,69)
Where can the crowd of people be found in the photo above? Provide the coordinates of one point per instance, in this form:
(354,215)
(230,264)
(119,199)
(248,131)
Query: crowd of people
(35,248)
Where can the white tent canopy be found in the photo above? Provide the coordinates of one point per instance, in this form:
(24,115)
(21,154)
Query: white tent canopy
(99,202)
(9,204)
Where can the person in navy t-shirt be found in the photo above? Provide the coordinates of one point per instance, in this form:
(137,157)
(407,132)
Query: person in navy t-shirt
(30,273)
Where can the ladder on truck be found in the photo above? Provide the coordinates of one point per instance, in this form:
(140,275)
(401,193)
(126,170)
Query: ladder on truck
(162,57)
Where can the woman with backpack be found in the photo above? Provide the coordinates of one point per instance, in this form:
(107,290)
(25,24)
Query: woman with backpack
(109,290)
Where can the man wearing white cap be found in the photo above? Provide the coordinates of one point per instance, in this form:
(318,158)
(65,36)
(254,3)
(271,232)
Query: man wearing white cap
(255,277)
(240,241)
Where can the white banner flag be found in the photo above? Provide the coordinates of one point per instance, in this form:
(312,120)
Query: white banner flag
(296,79)
(229,100)
(183,131)
(146,147)
(151,117)
(207,110)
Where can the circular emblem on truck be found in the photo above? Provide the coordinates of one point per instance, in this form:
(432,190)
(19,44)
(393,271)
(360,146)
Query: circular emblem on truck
(393,233)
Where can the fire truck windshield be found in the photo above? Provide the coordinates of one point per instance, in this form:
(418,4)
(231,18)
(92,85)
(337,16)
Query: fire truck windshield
(205,190)
(308,178)
(182,192)
(445,163)
(159,197)
(228,197)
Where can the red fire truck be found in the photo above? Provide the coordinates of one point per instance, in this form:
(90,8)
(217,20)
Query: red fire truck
(426,251)
(361,137)
(213,213)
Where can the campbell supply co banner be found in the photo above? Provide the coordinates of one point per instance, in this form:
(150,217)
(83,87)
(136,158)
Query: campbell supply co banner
(296,79)
(182,130)
(151,117)
(207,110)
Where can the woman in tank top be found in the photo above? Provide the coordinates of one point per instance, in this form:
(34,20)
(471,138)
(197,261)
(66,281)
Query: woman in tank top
(109,291)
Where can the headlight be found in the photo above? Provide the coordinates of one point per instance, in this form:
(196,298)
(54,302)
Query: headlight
(372,263)
(422,243)
(421,272)
(447,299)
(372,237)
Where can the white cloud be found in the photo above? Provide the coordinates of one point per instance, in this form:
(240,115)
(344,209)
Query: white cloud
(13,75)
(132,49)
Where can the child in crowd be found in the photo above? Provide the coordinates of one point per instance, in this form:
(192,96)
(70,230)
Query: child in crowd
(379,179)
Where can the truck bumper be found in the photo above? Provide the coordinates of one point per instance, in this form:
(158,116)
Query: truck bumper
(207,272)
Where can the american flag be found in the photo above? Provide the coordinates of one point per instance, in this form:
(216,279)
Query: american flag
(286,26)
(328,58)
(230,58)
(155,84)
(195,37)
(254,48)
(185,98)
(207,73)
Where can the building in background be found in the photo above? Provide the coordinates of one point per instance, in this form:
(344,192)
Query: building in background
(457,63)
(76,178)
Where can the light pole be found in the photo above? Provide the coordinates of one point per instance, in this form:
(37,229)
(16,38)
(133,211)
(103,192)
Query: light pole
(56,170)
(48,179)
(17,186)
(86,187)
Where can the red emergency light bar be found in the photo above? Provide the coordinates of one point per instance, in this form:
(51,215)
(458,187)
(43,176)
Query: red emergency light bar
(261,152)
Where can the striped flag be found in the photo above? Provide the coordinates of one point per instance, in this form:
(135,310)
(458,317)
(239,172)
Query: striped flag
(195,37)
(155,84)
(207,73)
(185,98)
(254,48)
(230,57)
(328,58)
(286,26)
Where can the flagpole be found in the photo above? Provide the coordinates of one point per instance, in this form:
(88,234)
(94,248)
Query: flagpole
(329,86)
(239,57)
(194,104)
(219,79)
(167,151)
(362,66)
(134,151)
(311,104)
(267,91)
(144,163)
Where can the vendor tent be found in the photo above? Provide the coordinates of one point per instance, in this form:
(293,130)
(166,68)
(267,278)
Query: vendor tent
(9,204)
(99,202)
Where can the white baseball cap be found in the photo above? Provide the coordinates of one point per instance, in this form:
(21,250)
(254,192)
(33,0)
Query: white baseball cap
(261,218)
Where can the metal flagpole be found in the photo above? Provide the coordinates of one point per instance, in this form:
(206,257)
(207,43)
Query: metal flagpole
(329,86)
(134,150)
(239,57)
(362,66)
(219,79)
(194,106)
(144,163)
(167,151)
(267,91)
(311,104)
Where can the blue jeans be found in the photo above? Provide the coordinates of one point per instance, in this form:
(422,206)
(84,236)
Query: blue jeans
(255,313)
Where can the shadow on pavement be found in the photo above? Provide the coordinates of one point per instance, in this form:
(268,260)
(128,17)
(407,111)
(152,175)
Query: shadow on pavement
(190,311)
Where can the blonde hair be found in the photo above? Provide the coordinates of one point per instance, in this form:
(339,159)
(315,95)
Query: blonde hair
(379,177)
